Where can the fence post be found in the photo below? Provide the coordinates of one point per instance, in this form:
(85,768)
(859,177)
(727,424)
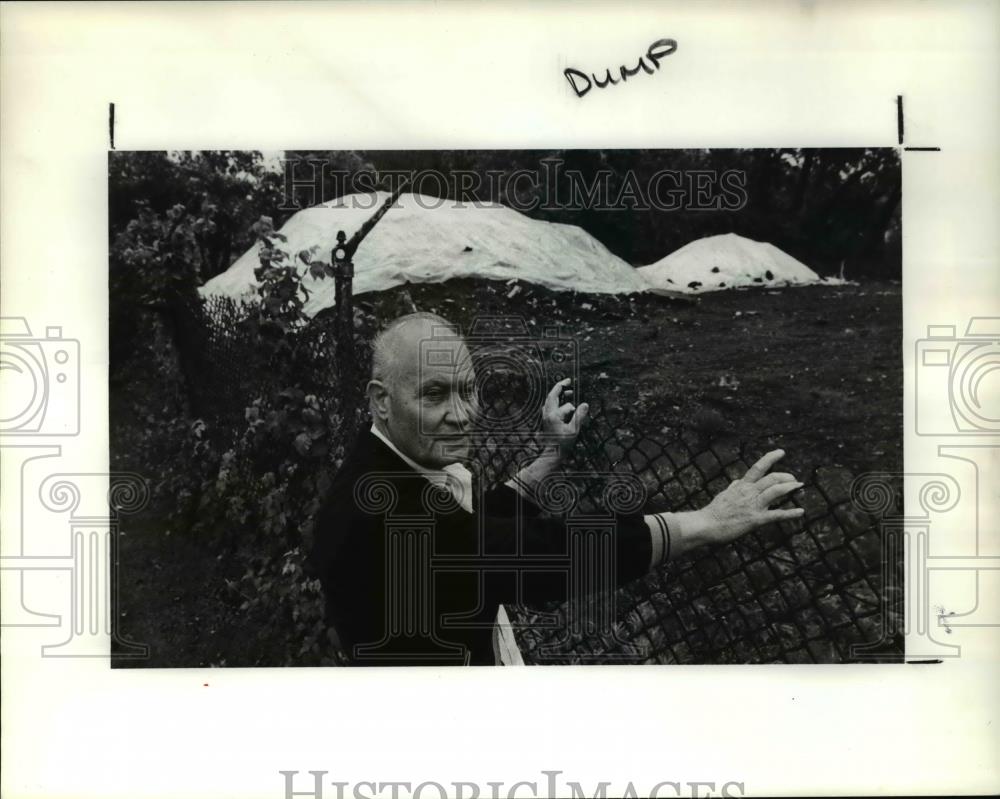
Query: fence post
(343,276)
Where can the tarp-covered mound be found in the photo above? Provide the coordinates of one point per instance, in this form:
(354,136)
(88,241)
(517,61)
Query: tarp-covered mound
(728,261)
(425,240)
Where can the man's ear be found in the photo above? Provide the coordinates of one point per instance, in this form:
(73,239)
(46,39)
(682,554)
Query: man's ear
(378,396)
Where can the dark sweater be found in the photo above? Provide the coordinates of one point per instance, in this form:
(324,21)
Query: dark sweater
(411,578)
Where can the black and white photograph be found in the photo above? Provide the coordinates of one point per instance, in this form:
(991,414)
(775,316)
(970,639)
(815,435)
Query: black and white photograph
(507,407)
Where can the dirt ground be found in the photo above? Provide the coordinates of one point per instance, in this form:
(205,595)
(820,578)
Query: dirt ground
(814,370)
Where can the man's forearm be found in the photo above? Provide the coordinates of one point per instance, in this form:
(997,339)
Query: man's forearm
(671,534)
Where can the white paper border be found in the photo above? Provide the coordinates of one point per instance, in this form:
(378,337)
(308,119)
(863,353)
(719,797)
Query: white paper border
(413,75)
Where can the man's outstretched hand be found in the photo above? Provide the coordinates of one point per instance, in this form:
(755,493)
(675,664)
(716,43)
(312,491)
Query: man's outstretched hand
(746,504)
(561,423)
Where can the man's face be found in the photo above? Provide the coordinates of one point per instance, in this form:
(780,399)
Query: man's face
(431,403)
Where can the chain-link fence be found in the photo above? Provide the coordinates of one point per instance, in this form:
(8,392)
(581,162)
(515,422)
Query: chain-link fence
(237,357)
(816,590)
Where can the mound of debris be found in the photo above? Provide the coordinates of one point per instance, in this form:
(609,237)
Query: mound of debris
(427,240)
(728,261)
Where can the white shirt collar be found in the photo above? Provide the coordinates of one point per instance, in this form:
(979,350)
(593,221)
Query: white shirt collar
(455,477)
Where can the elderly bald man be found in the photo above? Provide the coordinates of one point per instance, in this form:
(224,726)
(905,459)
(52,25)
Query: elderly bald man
(404,497)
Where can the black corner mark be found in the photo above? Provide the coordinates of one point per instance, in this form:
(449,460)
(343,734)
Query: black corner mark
(111,124)
(899,117)
(899,130)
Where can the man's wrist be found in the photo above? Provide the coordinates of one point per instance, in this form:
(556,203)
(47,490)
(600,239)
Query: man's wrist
(550,452)
(526,480)
(692,528)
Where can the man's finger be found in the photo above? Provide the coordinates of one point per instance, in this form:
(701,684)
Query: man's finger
(774,478)
(783,515)
(774,493)
(552,398)
(582,412)
(761,467)
(554,391)
(565,410)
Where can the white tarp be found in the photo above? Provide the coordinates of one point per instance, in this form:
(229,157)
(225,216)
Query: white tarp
(424,240)
(716,263)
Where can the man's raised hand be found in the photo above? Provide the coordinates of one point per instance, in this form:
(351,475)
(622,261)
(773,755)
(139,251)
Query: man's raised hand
(561,422)
(746,504)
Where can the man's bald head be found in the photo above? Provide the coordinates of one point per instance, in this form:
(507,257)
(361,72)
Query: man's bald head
(422,392)
(396,350)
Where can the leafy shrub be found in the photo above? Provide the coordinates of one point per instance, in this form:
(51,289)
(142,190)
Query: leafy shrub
(258,497)
(244,486)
